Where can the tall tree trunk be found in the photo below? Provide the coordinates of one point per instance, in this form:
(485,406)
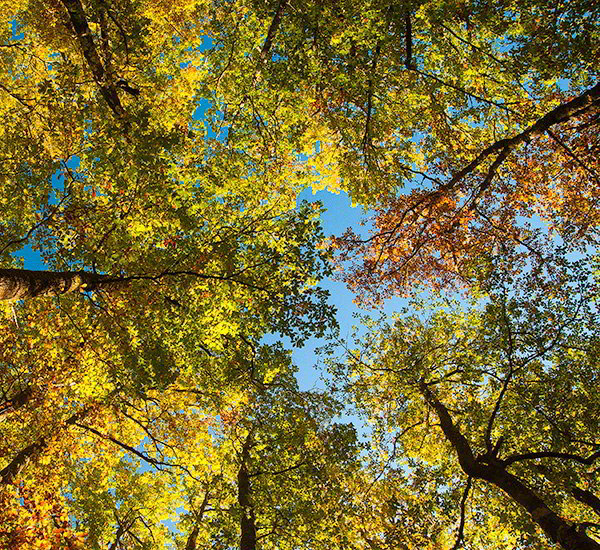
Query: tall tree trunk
(20,284)
(9,473)
(84,37)
(556,528)
(193,536)
(273,29)
(248,519)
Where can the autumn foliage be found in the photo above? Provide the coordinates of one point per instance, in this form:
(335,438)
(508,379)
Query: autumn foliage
(152,156)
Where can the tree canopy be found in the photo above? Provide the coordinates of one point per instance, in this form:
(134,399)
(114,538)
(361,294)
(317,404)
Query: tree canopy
(152,155)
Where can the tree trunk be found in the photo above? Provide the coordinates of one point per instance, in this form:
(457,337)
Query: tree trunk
(555,527)
(193,537)
(84,37)
(31,452)
(248,519)
(21,284)
(587,497)
(16,465)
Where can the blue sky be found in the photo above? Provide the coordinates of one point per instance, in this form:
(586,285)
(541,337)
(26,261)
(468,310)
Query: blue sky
(340,215)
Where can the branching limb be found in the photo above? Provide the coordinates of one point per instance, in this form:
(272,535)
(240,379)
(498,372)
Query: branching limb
(573,155)
(466,457)
(278,472)
(9,473)
(588,461)
(22,240)
(158,464)
(23,101)
(586,101)
(463,505)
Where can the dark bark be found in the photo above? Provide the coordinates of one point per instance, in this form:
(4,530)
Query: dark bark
(120,532)
(193,536)
(588,461)
(273,30)
(248,519)
(588,498)
(588,100)
(124,85)
(489,469)
(191,540)
(460,536)
(90,53)
(9,473)
(21,284)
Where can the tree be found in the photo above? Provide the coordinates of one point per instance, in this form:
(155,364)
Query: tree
(461,129)
(167,264)
(173,244)
(437,234)
(506,384)
(229,466)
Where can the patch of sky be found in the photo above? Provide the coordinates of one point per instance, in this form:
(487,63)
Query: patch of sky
(339,216)
(215,121)
(207,44)
(31,258)
(16,33)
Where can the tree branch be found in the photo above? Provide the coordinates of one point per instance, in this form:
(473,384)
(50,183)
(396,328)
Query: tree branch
(17,400)
(550,454)
(466,458)
(31,452)
(158,464)
(589,99)
(461,526)
(276,21)
(588,498)
(555,527)
(20,284)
